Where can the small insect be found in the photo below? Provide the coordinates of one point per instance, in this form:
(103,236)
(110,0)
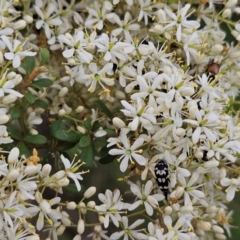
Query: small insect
(212,70)
(162,176)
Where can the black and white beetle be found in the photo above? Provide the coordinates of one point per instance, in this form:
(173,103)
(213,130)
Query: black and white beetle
(161,170)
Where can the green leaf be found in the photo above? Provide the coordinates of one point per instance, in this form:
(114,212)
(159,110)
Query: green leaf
(103,108)
(15,112)
(28,64)
(85,141)
(96,125)
(88,154)
(56,126)
(41,104)
(41,83)
(30,97)
(23,149)
(107,159)
(44,55)
(100,142)
(87,123)
(36,139)
(67,135)
(15,133)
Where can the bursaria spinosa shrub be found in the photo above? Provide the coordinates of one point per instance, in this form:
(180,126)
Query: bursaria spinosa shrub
(118,119)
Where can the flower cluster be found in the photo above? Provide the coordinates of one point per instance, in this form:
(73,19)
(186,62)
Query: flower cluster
(128,82)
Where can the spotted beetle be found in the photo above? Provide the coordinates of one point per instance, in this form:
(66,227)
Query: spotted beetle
(162,176)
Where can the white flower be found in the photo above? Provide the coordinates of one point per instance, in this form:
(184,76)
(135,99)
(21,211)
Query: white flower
(98,14)
(47,16)
(71,169)
(140,114)
(191,45)
(128,230)
(111,207)
(45,210)
(175,232)
(128,152)
(4,138)
(149,201)
(7,85)
(124,26)
(233,185)
(97,76)
(16,53)
(11,209)
(180,20)
(76,45)
(98,233)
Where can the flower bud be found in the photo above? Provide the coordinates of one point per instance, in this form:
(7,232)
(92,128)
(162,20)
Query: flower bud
(19,25)
(203,225)
(198,154)
(161,15)
(63,92)
(13,175)
(81,226)
(60,174)
(227,13)
(180,132)
(168,210)
(186,209)
(211,164)
(81,129)
(220,236)
(46,170)
(179,192)
(65,219)
(79,109)
(10,98)
(187,91)
(212,209)
(91,204)
(4,119)
(83,208)
(120,94)
(118,123)
(235,55)
(101,219)
(33,131)
(158,28)
(11,75)
(77,237)
(217,48)
(60,230)
(63,182)
(71,61)
(71,205)
(89,192)
(28,18)
(231,3)
(217,229)
(13,155)
(61,112)
(32,169)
